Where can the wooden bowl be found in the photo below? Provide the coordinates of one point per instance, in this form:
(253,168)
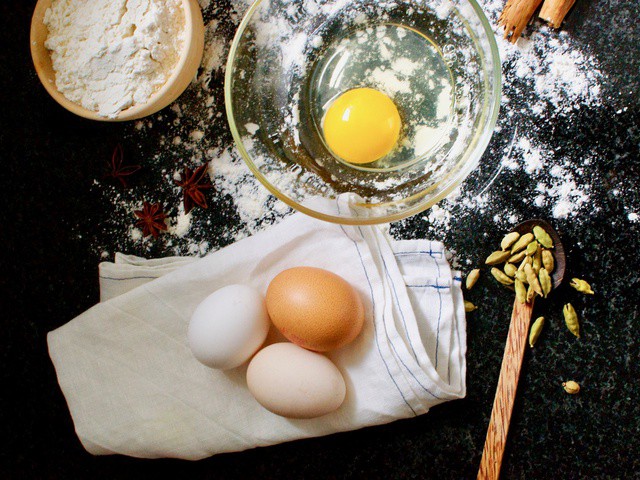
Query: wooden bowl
(183,73)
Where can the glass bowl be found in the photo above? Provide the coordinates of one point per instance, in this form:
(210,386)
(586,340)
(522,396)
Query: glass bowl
(437,60)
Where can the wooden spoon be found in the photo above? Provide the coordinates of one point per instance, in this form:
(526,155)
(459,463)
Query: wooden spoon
(512,363)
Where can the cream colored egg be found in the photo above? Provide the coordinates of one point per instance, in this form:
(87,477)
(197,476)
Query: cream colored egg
(315,308)
(295,383)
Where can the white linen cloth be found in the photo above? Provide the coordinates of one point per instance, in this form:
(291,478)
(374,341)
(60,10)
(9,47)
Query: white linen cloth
(134,388)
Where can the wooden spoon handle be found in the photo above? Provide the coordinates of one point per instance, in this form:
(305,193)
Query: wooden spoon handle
(506,391)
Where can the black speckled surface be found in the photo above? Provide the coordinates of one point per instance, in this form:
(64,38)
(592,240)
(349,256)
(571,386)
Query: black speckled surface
(52,217)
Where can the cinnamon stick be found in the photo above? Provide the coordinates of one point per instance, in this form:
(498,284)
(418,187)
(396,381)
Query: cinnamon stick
(554,11)
(516,16)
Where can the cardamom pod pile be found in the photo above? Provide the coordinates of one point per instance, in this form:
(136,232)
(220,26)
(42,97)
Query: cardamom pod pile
(528,263)
(525,264)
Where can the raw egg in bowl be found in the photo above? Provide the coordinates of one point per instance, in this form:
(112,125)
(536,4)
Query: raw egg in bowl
(393,101)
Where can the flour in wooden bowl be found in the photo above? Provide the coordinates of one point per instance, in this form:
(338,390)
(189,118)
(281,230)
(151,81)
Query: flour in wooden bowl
(110,55)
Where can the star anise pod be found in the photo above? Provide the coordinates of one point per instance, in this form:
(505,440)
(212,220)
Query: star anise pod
(118,170)
(193,183)
(151,219)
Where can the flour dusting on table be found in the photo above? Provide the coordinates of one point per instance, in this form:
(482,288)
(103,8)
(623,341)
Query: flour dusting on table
(547,76)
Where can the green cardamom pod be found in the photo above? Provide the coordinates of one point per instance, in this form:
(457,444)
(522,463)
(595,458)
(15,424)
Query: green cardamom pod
(518,257)
(520,275)
(542,236)
(501,277)
(508,240)
(521,291)
(536,263)
(526,261)
(532,248)
(571,319)
(472,278)
(532,278)
(548,261)
(571,387)
(522,243)
(510,269)
(497,257)
(469,307)
(536,266)
(581,286)
(530,294)
(545,281)
(536,329)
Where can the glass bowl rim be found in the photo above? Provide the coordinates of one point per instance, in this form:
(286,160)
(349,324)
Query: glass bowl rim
(474,156)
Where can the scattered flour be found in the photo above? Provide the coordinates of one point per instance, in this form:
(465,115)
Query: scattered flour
(182,224)
(109,55)
(252,128)
(560,72)
(546,75)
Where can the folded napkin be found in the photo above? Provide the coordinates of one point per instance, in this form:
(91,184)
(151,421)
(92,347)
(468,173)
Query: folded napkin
(134,388)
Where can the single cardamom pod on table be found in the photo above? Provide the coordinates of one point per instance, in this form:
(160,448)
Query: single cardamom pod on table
(571,387)
(581,286)
(469,307)
(571,319)
(472,278)
(536,329)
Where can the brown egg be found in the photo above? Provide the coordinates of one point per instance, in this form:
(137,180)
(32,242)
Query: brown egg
(314,308)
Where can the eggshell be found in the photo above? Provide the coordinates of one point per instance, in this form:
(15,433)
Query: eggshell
(295,383)
(228,327)
(315,308)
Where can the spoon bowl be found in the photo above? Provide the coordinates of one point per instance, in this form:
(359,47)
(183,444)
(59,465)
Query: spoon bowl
(558,249)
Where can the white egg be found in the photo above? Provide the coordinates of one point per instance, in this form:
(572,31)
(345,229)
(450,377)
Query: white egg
(228,327)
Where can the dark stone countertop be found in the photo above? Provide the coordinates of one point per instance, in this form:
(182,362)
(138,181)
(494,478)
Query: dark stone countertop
(56,222)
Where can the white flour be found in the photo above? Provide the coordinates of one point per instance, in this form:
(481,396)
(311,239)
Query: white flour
(547,76)
(109,55)
(559,71)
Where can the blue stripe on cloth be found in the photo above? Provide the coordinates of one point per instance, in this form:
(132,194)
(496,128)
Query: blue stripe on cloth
(439,305)
(375,328)
(397,301)
(420,252)
(441,287)
(395,294)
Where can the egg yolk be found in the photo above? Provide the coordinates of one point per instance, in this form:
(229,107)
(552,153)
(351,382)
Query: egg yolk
(362,125)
